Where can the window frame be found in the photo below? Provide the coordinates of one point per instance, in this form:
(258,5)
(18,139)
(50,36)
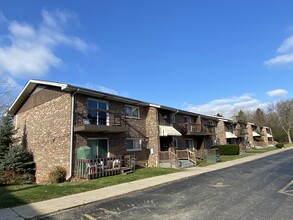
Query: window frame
(133,141)
(97,148)
(173,118)
(192,143)
(131,116)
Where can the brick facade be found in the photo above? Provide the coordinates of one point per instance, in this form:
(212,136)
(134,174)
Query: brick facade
(44,117)
(117,141)
(45,121)
(221,132)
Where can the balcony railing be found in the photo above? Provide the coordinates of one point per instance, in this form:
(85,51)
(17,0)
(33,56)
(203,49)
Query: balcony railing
(197,129)
(95,120)
(240,131)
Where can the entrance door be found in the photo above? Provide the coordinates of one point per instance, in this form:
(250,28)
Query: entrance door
(99,147)
(95,116)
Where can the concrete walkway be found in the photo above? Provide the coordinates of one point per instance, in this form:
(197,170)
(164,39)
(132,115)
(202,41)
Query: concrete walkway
(50,206)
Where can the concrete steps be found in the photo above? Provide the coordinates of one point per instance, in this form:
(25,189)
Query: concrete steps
(185,164)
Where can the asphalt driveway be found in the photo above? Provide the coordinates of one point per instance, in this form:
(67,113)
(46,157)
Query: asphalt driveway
(261,189)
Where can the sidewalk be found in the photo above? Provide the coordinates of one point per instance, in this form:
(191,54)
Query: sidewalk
(50,206)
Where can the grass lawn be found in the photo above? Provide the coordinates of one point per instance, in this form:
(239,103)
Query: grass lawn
(16,195)
(246,154)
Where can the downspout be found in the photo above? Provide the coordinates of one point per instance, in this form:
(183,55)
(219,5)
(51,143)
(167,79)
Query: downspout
(71,134)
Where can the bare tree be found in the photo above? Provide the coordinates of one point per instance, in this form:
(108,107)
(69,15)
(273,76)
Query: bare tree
(5,96)
(283,111)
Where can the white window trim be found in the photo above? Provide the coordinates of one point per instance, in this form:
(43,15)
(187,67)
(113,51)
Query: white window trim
(140,144)
(108,153)
(189,139)
(175,140)
(107,109)
(132,106)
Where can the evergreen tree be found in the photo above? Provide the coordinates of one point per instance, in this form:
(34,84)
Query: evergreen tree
(16,162)
(7,131)
(259,117)
(242,117)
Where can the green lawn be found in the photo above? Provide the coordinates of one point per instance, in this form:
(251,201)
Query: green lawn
(11,196)
(246,154)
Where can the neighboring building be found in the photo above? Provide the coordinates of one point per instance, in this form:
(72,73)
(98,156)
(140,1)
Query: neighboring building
(231,131)
(259,136)
(56,119)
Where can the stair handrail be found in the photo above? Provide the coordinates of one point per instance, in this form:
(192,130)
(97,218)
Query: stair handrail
(173,156)
(191,156)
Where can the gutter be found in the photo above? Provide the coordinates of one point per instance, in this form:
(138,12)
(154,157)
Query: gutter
(71,135)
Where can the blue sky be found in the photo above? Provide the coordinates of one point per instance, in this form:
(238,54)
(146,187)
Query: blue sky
(205,56)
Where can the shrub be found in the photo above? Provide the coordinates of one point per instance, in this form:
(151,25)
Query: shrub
(228,149)
(58,175)
(279,145)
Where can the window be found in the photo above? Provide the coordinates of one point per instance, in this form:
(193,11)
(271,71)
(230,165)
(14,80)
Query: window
(99,147)
(189,144)
(187,119)
(97,112)
(133,144)
(173,118)
(175,142)
(132,111)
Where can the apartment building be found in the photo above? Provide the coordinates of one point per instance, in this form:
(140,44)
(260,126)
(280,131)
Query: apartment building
(57,119)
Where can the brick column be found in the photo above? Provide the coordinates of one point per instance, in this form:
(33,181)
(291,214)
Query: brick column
(152,132)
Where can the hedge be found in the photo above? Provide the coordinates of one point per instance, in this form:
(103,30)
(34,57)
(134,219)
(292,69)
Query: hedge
(279,145)
(228,149)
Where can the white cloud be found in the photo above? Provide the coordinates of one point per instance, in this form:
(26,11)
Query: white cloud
(286,46)
(285,56)
(101,88)
(228,106)
(277,93)
(280,60)
(30,51)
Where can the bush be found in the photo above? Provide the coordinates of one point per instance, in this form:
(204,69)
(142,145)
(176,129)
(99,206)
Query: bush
(279,145)
(8,177)
(58,175)
(228,149)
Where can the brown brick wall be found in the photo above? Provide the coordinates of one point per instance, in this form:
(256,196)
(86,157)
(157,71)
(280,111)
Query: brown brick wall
(117,141)
(47,127)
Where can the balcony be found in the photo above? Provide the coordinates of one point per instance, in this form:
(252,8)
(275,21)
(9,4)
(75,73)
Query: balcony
(197,129)
(240,132)
(100,120)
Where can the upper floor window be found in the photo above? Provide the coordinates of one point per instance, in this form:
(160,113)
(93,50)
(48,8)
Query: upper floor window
(187,119)
(173,118)
(97,112)
(132,111)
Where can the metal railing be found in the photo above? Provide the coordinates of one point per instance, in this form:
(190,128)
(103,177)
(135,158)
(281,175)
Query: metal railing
(100,117)
(193,128)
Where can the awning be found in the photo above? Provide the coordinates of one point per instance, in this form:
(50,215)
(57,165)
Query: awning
(168,131)
(230,135)
(254,134)
(270,136)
